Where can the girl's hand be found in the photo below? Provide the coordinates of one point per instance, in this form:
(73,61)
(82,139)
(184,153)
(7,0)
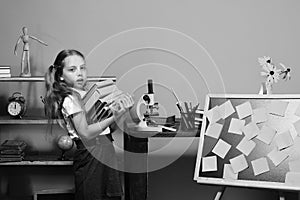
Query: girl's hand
(126,100)
(121,105)
(118,110)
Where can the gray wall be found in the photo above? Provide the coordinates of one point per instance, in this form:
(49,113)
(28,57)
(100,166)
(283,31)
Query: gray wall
(194,47)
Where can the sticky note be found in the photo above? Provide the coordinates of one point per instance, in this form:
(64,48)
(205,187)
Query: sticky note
(274,122)
(260,166)
(244,110)
(246,146)
(226,109)
(236,126)
(259,115)
(294,151)
(278,107)
(214,130)
(297,126)
(221,148)
(277,157)
(209,164)
(283,140)
(228,172)
(294,166)
(213,115)
(292,108)
(250,130)
(266,134)
(297,112)
(292,178)
(238,163)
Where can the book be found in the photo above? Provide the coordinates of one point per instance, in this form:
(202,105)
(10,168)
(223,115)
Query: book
(4,66)
(99,98)
(11,159)
(5,71)
(8,75)
(13,144)
(11,152)
(90,98)
(105,83)
(12,155)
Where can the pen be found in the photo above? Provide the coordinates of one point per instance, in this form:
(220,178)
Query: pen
(180,110)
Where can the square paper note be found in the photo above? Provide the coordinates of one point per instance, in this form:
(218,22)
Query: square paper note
(226,109)
(266,134)
(213,115)
(209,164)
(236,126)
(260,166)
(244,110)
(214,130)
(284,140)
(259,115)
(277,157)
(221,148)
(278,107)
(246,146)
(238,163)
(297,126)
(228,172)
(250,130)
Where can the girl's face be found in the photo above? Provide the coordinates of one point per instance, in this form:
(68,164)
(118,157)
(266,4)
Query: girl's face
(74,72)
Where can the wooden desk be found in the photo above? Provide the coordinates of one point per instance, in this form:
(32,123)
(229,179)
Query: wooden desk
(136,184)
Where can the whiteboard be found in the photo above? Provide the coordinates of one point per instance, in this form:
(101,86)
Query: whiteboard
(280,114)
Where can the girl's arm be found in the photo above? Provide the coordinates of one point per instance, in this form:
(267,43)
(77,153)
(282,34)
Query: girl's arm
(91,131)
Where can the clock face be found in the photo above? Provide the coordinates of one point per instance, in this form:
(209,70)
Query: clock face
(14,108)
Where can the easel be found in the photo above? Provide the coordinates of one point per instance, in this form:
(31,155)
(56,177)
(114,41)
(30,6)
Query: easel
(222,190)
(220,193)
(264,90)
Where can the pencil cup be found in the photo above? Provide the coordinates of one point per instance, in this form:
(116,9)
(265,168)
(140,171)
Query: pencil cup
(187,121)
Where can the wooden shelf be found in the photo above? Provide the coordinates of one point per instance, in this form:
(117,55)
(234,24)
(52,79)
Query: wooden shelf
(40,163)
(24,120)
(42,79)
(41,160)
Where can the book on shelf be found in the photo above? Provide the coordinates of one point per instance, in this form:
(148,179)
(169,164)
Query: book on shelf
(5,71)
(13,144)
(4,66)
(5,75)
(11,152)
(21,155)
(11,159)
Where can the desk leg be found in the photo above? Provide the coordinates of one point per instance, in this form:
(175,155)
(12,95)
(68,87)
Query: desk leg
(220,193)
(281,195)
(135,183)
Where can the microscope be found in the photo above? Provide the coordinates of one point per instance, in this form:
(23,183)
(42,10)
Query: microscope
(151,108)
(145,123)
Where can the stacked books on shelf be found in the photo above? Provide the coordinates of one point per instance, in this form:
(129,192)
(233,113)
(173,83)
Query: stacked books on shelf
(12,151)
(5,71)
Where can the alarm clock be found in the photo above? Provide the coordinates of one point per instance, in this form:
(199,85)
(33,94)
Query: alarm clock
(16,105)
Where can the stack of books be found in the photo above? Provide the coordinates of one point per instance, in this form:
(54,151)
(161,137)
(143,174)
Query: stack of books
(12,151)
(99,99)
(5,71)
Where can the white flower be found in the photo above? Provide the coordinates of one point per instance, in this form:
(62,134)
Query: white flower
(264,60)
(286,72)
(271,73)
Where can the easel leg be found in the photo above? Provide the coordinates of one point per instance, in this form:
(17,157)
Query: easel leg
(220,193)
(281,195)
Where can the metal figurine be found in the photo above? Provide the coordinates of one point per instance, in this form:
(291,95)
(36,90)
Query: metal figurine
(25,63)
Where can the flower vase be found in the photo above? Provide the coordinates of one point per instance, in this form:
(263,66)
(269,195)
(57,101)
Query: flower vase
(269,88)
